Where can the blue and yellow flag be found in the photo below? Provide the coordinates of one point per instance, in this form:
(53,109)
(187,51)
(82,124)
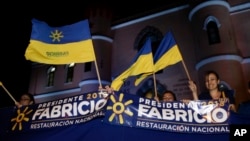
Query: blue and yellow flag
(167,54)
(143,63)
(60,45)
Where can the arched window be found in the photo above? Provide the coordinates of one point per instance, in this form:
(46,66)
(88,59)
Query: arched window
(69,72)
(148,32)
(211,25)
(50,76)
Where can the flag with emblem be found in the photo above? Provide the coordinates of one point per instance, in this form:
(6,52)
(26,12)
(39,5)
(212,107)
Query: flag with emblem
(60,45)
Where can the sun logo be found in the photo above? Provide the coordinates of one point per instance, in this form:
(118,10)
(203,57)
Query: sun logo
(21,116)
(119,108)
(56,36)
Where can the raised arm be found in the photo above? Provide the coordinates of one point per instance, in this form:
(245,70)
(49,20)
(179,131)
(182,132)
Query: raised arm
(192,86)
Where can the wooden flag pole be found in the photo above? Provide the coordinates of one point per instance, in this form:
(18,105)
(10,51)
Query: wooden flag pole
(183,63)
(195,97)
(8,92)
(98,74)
(155,87)
(189,78)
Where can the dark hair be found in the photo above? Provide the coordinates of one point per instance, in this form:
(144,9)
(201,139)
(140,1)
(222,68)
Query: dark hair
(171,92)
(248,84)
(212,72)
(30,96)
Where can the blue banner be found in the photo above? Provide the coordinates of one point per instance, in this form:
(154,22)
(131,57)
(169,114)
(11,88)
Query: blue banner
(205,117)
(92,116)
(57,113)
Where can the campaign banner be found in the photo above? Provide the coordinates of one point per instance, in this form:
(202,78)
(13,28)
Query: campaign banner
(202,116)
(121,116)
(63,112)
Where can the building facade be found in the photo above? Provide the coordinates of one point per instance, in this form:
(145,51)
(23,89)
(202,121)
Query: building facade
(211,35)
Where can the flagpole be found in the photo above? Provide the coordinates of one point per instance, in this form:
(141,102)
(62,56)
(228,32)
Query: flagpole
(8,92)
(98,75)
(195,97)
(155,88)
(183,63)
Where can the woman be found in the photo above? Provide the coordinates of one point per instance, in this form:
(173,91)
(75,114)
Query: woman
(212,81)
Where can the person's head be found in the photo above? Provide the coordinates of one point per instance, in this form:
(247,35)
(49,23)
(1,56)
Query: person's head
(149,95)
(212,80)
(27,99)
(168,96)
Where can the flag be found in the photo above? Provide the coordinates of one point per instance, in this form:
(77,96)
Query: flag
(142,63)
(60,45)
(167,54)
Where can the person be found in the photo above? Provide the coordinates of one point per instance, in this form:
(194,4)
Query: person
(25,100)
(109,89)
(244,107)
(168,96)
(149,94)
(212,82)
(106,91)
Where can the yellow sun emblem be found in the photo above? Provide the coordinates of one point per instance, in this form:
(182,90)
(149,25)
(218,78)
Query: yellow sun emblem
(56,36)
(119,108)
(21,116)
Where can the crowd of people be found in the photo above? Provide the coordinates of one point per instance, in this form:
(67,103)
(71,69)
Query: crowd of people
(213,92)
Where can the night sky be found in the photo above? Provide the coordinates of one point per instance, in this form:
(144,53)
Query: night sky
(15,70)
(16,28)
